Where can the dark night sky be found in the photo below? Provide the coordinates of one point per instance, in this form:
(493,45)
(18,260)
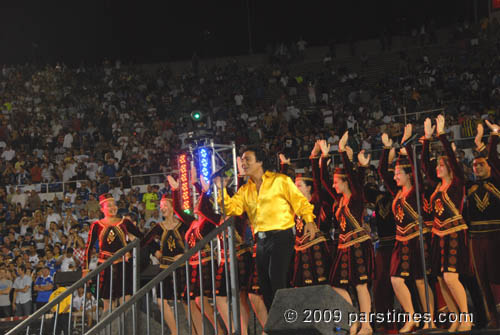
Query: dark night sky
(153,31)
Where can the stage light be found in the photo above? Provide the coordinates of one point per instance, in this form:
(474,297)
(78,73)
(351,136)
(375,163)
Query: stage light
(184,183)
(205,166)
(196,115)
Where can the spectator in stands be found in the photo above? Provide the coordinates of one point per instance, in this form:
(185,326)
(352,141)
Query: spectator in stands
(5,287)
(21,301)
(150,199)
(52,217)
(62,309)
(90,305)
(44,285)
(69,261)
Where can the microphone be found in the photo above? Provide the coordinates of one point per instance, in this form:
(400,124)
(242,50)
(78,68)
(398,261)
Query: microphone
(411,139)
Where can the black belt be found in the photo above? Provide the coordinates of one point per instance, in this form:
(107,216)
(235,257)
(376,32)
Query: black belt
(266,234)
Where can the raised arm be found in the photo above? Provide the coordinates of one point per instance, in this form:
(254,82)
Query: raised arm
(492,148)
(408,150)
(320,192)
(324,174)
(176,204)
(92,239)
(132,228)
(364,164)
(284,164)
(235,205)
(457,169)
(356,189)
(151,234)
(205,208)
(427,167)
(383,166)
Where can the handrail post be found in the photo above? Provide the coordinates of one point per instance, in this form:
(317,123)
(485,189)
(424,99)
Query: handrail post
(135,285)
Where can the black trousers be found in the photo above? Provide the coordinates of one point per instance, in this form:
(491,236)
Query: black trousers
(62,324)
(274,254)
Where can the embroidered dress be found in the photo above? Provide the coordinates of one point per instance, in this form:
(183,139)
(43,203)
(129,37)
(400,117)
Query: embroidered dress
(354,260)
(449,251)
(172,247)
(111,238)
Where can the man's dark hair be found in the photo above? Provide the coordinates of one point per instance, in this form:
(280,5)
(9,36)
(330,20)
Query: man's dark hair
(261,155)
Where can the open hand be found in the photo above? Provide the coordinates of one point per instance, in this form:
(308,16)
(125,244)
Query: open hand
(343,141)
(205,186)
(284,160)
(174,184)
(428,128)
(363,159)
(440,124)
(494,127)
(325,147)
(386,141)
(310,230)
(407,133)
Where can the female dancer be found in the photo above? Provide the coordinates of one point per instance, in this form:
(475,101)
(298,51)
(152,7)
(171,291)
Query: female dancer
(171,232)
(354,261)
(449,253)
(112,234)
(192,236)
(312,257)
(243,254)
(406,258)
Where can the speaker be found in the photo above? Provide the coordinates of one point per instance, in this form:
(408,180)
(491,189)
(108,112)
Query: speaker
(309,310)
(67,278)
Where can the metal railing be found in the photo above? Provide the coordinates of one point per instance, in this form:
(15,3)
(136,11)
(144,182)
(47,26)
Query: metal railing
(59,186)
(42,313)
(232,290)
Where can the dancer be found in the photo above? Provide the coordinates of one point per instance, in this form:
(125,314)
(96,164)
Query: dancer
(171,233)
(483,218)
(197,229)
(243,254)
(312,257)
(449,254)
(354,261)
(406,261)
(112,234)
(271,201)
(383,295)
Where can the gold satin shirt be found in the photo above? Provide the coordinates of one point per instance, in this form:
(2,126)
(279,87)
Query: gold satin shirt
(275,205)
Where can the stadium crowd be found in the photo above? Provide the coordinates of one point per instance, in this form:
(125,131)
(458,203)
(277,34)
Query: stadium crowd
(94,128)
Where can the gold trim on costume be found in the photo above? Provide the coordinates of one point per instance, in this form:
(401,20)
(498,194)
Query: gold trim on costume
(478,223)
(104,200)
(491,188)
(301,246)
(482,204)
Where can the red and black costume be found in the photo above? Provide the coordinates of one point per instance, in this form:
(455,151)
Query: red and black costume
(312,259)
(449,251)
(242,250)
(111,238)
(354,261)
(197,230)
(383,294)
(172,246)
(406,257)
(483,219)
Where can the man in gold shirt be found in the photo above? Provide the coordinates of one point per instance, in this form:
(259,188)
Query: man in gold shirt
(271,201)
